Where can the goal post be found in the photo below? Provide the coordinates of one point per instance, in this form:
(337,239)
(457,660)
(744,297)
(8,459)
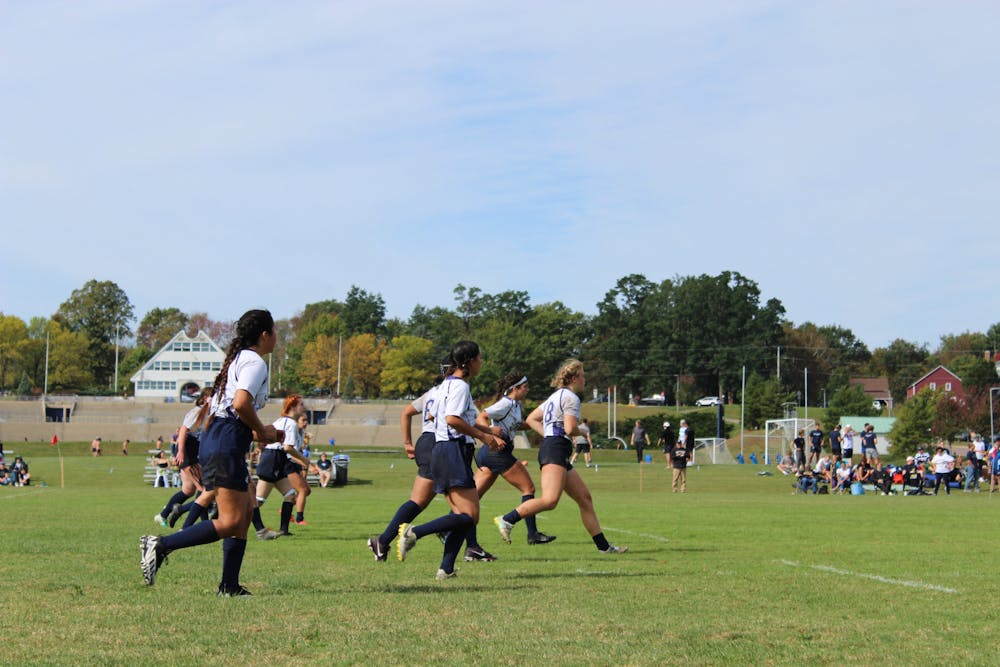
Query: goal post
(779,434)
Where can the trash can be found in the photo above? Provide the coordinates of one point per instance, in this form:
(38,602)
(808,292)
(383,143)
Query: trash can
(340,464)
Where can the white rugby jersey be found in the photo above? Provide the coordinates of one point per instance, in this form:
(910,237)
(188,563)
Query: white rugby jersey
(293,436)
(425,406)
(505,413)
(191,422)
(247,372)
(561,403)
(452,398)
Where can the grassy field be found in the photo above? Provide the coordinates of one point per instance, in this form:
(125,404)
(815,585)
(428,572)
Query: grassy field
(736,571)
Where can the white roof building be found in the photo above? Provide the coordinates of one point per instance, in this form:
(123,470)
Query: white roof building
(180,369)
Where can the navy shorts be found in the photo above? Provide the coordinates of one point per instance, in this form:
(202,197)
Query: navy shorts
(498,461)
(223,454)
(451,465)
(292,467)
(835,451)
(848,453)
(422,453)
(192,448)
(555,449)
(271,466)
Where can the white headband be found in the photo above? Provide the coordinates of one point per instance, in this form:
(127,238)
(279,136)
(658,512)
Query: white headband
(523,380)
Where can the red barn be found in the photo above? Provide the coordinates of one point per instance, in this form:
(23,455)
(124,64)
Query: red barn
(939,378)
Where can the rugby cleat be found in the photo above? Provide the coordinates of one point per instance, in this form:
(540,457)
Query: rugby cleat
(541,538)
(151,556)
(441,574)
(478,554)
(159,520)
(175,513)
(376,548)
(228,592)
(407,540)
(265,534)
(612,549)
(503,527)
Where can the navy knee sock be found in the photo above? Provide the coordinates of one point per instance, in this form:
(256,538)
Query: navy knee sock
(458,534)
(258,523)
(444,524)
(406,513)
(175,499)
(471,538)
(203,533)
(512,517)
(195,512)
(529,521)
(601,541)
(286,515)
(232,561)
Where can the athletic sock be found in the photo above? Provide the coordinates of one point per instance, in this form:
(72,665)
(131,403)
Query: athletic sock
(601,542)
(529,521)
(258,523)
(512,517)
(444,524)
(300,516)
(203,533)
(232,561)
(452,545)
(175,499)
(286,515)
(195,512)
(471,538)
(406,513)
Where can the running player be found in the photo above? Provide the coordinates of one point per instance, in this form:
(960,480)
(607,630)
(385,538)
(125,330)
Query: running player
(451,460)
(187,458)
(556,420)
(272,468)
(240,391)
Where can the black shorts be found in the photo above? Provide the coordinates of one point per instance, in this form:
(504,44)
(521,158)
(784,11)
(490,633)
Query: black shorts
(451,465)
(422,453)
(835,451)
(848,453)
(583,447)
(192,448)
(223,454)
(816,448)
(292,467)
(271,466)
(555,449)
(497,461)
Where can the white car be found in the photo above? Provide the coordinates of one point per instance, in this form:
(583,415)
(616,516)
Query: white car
(706,401)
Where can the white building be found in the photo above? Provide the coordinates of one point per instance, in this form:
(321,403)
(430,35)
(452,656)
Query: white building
(180,369)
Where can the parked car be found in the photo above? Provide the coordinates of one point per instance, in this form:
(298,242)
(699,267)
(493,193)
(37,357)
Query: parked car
(706,401)
(655,399)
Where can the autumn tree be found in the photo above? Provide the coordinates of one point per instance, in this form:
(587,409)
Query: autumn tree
(363,363)
(408,367)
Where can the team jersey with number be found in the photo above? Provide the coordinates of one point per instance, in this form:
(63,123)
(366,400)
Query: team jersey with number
(505,413)
(292,435)
(425,406)
(561,403)
(452,399)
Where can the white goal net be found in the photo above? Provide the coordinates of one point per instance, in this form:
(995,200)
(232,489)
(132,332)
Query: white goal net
(711,450)
(779,434)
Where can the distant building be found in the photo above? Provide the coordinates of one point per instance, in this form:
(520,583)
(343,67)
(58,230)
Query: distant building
(939,378)
(877,389)
(180,369)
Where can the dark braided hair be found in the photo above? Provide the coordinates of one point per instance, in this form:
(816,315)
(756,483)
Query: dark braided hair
(248,331)
(461,354)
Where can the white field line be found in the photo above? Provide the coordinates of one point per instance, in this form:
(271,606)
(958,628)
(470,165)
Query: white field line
(657,538)
(21,495)
(873,577)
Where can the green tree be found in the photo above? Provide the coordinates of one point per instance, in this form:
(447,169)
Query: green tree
(764,400)
(850,400)
(439,325)
(12,331)
(363,313)
(914,425)
(408,366)
(133,360)
(102,312)
(902,362)
(160,325)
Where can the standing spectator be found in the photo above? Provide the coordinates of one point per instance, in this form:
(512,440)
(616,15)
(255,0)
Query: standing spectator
(667,441)
(847,447)
(639,440)
(815,443)
(583,443)
(162,463)
(980,446)
(971,470)
(835,442)
(125,447)
(799,444)
(680,454)
(95,447)
(869,445)
(994,459)
(943,463)
(922,457)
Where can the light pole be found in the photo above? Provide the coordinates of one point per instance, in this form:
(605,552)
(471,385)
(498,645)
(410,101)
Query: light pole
(992,428)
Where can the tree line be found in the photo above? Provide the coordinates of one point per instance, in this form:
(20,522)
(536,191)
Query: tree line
(682,337)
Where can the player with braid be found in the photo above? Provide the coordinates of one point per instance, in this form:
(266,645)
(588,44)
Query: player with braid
(272,469)
(556,420)
(240,391)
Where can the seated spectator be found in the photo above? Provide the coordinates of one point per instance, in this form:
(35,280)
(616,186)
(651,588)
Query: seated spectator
(842,477)
(922,457)
(787,464)
(4,474)
(325,466)
(824,469)
(863,472)
(881,478)
(19,474)
(806,482)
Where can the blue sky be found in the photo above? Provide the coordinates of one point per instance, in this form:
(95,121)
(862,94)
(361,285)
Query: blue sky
(216,156)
